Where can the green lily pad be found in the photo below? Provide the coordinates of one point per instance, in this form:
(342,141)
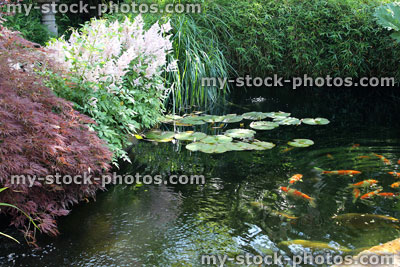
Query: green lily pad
(263,125)
(192,120)
(212,118)
(287,121)
(240,133)
(216,139)
(301,143)
(232,118)
(190,136)
(316,121)
(240,146)
(208,148)
(263,145)
(254,115)
(159,136)
(280,114)
(170,118)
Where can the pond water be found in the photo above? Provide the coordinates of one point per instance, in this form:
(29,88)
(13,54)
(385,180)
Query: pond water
(240,209)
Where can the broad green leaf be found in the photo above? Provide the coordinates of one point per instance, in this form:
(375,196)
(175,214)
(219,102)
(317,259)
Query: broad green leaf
(254,115)
(280,114)
(263,145)
(263,125)
(159,136)
(240,133)
(316,121)
(216,139)
(388,16)
(190,136)
(301,143)
(287,121)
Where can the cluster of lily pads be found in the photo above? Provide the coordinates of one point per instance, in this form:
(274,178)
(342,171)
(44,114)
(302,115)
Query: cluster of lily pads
(234,139)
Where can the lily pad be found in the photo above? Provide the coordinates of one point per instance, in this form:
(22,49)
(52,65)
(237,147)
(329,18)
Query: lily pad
(216,139)
(263,125)
(190,136)
(287,121)
(232,118)
(316,121)
(254,115)
(240,133)
(280,114)
(301,143)
(240,146)
(192,120)
(212,118)
(208,148)
(159,136)
(170,118)
(263,145)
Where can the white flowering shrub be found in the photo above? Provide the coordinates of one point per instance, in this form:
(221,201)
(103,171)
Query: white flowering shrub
(115,75)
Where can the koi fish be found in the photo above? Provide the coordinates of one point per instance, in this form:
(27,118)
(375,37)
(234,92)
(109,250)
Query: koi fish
(285,215)
(287,149)
(365,183)
(295,178)
(388,195)
(314,245)
(297,194)
(355,146)
(370,194)
(364,157)
(365,220)
(356,193)
(395,174)
(398,162)
(385,160)
(395,185)
(342,172)
(329,156)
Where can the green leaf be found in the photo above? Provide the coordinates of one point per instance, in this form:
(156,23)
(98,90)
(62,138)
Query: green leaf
(388,16)
(216,139)
(159,136)
(263,125)
(190,136)
(301,143)
(254,115)
(316,121)
(240,133)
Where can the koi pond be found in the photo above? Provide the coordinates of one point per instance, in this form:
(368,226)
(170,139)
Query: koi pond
(314,186)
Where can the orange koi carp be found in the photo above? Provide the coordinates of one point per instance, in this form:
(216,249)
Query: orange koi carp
(385,160)
(395,185)
(295,178)
(297,194)
(370,194)
(356,193)
(365,183)
(388,195)
(342,172)
(395,174)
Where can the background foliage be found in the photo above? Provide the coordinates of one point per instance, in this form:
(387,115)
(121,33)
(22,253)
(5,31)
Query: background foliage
(292,38)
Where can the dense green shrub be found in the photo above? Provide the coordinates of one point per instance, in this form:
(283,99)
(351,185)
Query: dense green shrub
(29,26)
(315,37)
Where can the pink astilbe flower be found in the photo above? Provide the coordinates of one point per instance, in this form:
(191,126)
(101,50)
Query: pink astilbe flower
(103,53)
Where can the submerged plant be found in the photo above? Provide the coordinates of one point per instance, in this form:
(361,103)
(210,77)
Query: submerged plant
(21,211)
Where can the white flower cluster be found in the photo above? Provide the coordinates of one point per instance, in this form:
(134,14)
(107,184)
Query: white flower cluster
(102,51)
